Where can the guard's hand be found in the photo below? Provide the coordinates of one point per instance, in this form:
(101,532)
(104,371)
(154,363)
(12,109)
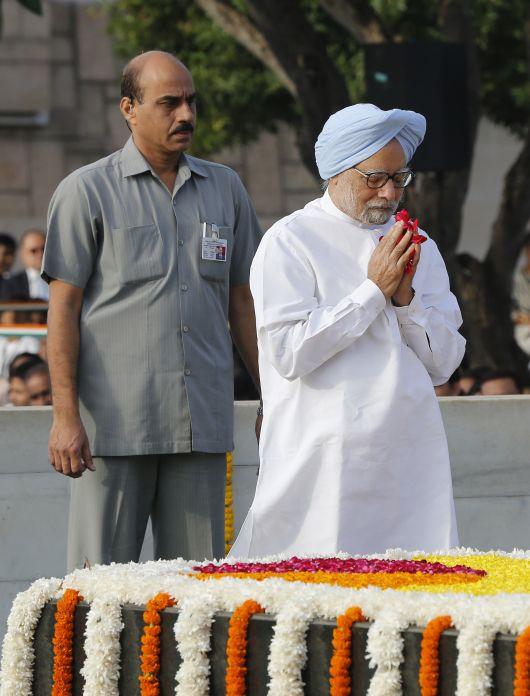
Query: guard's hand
(68,448)
(404,293)
(386,268)
(257,429)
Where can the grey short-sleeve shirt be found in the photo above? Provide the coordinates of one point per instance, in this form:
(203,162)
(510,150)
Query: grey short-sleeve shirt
(155,358)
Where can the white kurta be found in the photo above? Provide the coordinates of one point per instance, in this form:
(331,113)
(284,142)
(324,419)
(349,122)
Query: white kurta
(353,452)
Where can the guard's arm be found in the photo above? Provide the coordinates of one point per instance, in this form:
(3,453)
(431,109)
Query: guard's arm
(243,329)
(68,448)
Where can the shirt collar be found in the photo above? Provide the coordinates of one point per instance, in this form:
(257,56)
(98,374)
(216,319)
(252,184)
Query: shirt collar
(133,162)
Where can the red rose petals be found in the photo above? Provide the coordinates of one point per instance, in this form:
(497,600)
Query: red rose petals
(409,224)
(338,565)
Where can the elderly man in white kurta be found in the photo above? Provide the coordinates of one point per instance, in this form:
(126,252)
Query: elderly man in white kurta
(353,452)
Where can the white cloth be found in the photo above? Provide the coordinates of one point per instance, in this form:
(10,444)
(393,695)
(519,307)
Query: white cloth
(353,451)
(38,288)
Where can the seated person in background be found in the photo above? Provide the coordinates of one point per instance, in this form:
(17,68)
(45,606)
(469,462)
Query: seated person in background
(37,381)
(8,247)
(28,284)
(12,346)
(467,380)
(27,359)
(521,300)
(450,388)
(18,371)
(4,391)
(7,256)
(496,383)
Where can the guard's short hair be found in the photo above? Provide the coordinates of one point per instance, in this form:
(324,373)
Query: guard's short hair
(7,241)
(130,78)
(130,82)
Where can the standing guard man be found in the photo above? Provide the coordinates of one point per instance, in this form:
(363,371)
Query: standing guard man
(139,346)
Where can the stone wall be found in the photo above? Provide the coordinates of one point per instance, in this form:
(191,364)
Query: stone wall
(62,66)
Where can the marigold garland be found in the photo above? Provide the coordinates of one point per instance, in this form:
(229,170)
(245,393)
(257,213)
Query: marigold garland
(521,682)
(395,581)
(430,655)
(150,662)
(339,669)
(63,643)
(229,503)
(236,648)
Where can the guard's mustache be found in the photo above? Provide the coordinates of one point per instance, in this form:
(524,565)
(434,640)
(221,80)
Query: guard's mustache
(182,128)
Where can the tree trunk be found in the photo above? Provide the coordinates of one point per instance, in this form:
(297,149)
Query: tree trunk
(320,87)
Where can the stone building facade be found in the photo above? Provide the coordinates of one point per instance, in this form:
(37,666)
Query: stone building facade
(59,111)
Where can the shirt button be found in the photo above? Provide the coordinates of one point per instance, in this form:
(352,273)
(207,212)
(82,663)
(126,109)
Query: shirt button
(185,329)
(184,287)
(181,243)
(187,372)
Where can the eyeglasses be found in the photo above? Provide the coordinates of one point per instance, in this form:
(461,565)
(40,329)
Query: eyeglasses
(377,180)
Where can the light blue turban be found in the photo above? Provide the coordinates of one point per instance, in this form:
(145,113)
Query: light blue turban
(357,132)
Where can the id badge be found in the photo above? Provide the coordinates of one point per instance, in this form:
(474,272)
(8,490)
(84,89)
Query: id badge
(213,247)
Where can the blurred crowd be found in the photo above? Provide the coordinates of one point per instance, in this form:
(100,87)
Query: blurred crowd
(24,377)
(481,381)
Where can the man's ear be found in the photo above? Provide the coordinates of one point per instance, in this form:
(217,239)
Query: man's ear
(127,108)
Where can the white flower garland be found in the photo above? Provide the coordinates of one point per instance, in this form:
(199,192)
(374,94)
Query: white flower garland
(385,650)
(18,655)
(193,635)
(475,659)
(294,605)
(101,670)
(288,651)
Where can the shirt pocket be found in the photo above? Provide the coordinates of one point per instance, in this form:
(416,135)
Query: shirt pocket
(217,271)
(139,253)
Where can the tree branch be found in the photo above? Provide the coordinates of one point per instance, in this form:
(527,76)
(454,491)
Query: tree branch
(239,27)
(357,18)
(320,87)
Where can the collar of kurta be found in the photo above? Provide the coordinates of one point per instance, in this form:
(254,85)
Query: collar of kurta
(133,162)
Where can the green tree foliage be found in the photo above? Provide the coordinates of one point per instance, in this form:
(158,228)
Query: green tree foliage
(239,97)
(504,54)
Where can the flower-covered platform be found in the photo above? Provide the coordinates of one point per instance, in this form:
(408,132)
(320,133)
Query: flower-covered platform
(401,622)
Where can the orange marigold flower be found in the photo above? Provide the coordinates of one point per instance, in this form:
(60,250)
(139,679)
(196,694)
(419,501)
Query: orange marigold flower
(430,655)
(521,682)
(150,662)
(236,648)
(339,668)
(63,642)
